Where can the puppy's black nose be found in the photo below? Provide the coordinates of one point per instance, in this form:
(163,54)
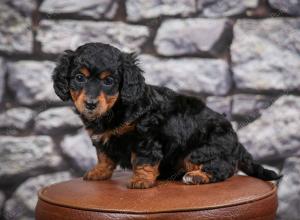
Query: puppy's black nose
(91,104)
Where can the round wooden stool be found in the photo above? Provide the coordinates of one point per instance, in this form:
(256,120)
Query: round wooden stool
(239,197)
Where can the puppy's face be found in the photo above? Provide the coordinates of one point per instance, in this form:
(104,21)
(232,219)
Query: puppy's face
(96,76)
(93,91)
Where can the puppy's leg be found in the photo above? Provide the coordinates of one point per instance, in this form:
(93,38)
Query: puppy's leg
(144,175)
(214,170)
(103,170)
(195,174)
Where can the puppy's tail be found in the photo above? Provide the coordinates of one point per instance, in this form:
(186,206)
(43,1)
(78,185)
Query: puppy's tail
(251,168)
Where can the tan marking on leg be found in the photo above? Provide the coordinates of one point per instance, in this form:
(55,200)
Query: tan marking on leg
(133,158)
(103,170)
(144,176)
(195,174)
(189,166)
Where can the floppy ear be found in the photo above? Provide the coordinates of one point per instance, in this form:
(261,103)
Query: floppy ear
(133,81)
(61,75)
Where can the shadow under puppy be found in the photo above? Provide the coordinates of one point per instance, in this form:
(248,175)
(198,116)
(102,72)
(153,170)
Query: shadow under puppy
(152,130)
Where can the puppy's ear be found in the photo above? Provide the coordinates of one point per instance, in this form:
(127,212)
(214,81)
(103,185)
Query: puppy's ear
(133,81)
(61,75)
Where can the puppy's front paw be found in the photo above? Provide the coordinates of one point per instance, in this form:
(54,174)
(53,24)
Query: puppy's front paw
(97,174)
(140,183)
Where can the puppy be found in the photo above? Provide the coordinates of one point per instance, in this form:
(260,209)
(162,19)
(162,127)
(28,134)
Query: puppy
(152,130)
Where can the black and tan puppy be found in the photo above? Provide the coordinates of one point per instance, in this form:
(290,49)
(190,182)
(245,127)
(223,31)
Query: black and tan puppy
(152,130)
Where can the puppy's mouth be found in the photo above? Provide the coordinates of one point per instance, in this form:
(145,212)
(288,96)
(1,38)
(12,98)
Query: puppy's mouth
(90,114)
(98,113)
(93,108)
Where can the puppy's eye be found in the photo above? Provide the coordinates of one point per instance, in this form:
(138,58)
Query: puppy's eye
(108,81)
(80,78)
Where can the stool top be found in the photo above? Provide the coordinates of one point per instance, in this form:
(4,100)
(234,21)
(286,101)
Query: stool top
(113,196)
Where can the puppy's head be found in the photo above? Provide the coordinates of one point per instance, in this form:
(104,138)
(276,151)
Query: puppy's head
(96,76)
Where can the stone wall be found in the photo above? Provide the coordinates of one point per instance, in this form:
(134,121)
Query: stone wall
(241,56)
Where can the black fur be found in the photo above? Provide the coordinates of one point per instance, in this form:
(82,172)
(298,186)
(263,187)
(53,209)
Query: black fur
(61,75)
(133,81)
(169,126)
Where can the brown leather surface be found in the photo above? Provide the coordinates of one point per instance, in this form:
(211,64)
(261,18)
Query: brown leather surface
(239,197)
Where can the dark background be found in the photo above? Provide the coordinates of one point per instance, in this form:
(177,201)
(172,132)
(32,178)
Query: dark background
(240,56)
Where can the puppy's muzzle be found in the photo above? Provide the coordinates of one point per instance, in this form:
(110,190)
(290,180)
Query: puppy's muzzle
(91,104)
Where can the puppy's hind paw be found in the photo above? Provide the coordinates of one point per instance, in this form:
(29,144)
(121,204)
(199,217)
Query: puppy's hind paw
(196,177)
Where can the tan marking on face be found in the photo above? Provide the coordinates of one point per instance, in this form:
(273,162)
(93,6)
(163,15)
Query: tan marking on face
(78,98)
(85,71)
(103,170)
(104,74)
(103,103)
(106,102)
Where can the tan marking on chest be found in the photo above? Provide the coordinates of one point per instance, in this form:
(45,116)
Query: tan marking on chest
(105,136)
